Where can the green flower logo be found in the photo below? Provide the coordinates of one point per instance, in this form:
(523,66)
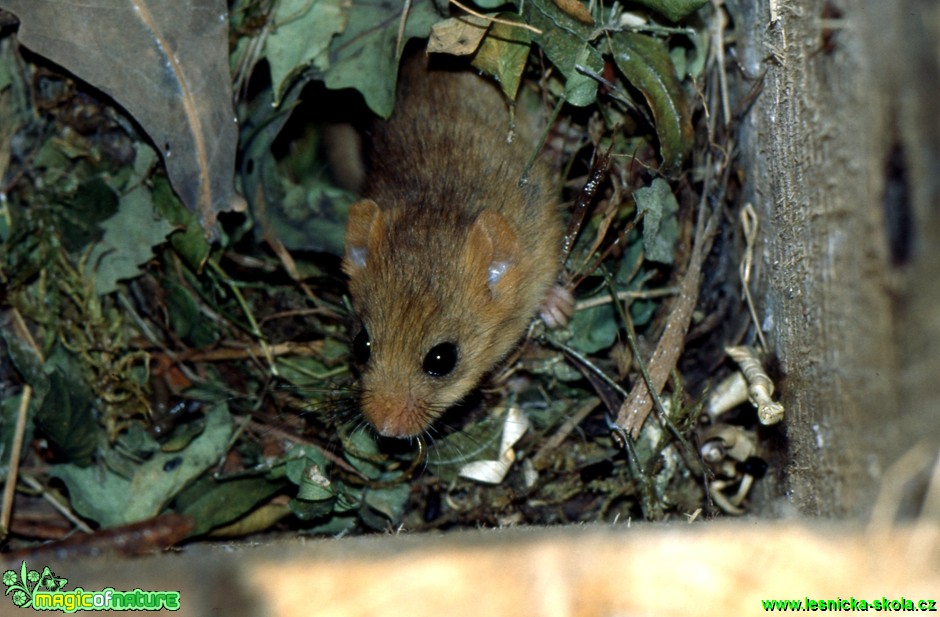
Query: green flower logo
(22,584)
(50,582)
(21,599)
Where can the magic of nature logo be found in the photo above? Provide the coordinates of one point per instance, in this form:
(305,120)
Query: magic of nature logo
(44,591)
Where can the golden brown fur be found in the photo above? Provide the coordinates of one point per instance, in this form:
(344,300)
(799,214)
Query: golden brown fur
(442,207)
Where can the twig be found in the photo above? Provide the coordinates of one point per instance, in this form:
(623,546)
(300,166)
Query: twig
(719,45)
(253,325)
(495,19)
(584,199)
(562,433)
(637,406)
(524,178)
(749,223)
(268,428)
(53,499)
(306,349)
(400,43)
(9,488)
(626,295)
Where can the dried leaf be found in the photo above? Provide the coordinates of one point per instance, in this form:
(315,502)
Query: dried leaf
(459,36)
(575,9)
(515,425)
(166,63)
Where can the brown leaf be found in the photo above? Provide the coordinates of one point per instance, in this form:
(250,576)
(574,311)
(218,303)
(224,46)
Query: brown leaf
(166,63)
(458,35)
(574,8)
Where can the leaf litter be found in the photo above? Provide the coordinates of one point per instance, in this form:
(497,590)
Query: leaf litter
(211,380)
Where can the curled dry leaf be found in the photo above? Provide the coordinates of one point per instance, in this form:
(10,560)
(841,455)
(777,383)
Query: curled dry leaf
(166,63)
(493,471)
(575,9)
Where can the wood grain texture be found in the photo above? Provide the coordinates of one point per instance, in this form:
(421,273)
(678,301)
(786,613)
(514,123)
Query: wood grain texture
(814,146)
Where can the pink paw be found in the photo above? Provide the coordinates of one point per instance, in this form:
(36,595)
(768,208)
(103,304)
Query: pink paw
(557,307)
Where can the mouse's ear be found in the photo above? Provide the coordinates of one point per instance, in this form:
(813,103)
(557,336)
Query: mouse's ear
(492,248)
(364,224)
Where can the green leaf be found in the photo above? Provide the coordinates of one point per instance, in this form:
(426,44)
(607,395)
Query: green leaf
(93,202)
(302,457)
(673,10)
(27,361)
(581,89)
(212,503)
(381,506)
(128,240)
(567,44)
(690,62)
(594,328)
(490,4)
(642,311)
(363,453)
(314,485)
(101,494)
(365,55)
(96,493)
(660,223)
(308,218)
(65,417)
(190,239)
(61,403)
(301,38)
(503,53)
(186,317)
(646,64)
(316,497)
(313,510)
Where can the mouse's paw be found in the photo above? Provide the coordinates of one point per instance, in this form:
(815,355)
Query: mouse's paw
(557,307)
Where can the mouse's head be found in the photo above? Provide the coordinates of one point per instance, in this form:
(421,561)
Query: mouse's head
(436,302)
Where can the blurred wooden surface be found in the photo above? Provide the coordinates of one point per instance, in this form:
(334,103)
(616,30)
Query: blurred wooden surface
(718,568)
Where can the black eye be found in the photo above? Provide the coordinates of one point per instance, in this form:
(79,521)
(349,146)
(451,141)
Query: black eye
(362,346)
(441,360)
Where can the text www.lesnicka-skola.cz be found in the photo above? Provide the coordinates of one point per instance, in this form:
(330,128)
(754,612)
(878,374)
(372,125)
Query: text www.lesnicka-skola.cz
(883,604)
